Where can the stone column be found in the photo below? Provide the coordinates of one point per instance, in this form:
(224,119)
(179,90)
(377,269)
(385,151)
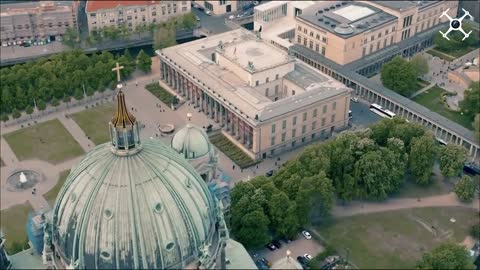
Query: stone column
(217,111)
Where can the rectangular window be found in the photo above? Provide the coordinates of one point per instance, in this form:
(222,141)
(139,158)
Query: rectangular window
(276,77)
(314,125)
(284,124)
(323,50)
(364,51)
(283,136)
(315,113)
(276,90)
(304,129)
(334,105)
(313,135)
(311,33)
(318,37)
(372,38)
(324,108)
(299,28)
(323,121)
(273,141)
(385,43)
(371,48)
(299,40)
(305,42)
(273,128)
(256,83)
(266,92)
(294,131)
(391,40)
(267,80)
(294,120)
(311,44)
(332,118)
(324,39)
(378,45)
(317,47)
(304,116)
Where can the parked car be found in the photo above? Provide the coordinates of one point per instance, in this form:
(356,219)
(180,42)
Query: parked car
(354,99)
(277,244)
(471,169)
(307,256)
(303,261)
(208,12)
(261,265)
(197,18)
(231,17)
(271,246)
(307,235)
(265,261)
(269,173)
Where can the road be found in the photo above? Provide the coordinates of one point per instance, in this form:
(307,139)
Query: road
(362,116)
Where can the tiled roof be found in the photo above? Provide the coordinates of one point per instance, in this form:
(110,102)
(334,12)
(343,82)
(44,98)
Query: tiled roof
(93,6)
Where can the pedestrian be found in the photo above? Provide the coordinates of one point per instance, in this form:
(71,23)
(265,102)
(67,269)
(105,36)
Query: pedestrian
(241,170)
(233,167)
(136,83)
(275,163)
(257,166)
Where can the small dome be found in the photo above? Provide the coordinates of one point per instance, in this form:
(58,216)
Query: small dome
(344,29)
(149,209)
(191,142)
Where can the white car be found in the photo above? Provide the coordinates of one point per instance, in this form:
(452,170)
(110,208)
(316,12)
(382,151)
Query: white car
(208,12)
(354,99)
(307,256)
(231,17)
(307,235)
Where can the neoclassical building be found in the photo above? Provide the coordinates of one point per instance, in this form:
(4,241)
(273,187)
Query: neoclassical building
(265,100)
(132,204)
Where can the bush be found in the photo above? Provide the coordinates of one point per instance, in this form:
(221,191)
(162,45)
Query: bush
(161,93)
(475,231)
(232,151)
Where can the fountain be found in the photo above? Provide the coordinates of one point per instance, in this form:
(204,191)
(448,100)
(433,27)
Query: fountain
(21,180)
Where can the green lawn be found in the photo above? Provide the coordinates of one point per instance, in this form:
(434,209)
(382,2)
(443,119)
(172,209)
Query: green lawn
(441,55)
(452,55)
(13,223)
(432,99)
(397,239)
(162,94)
(94,122)
(51,195)
(49,141)
(232,151)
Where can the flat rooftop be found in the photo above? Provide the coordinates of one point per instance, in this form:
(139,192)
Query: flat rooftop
(260,54)
(24,7)
(345,19)
(194,58)
(403,5)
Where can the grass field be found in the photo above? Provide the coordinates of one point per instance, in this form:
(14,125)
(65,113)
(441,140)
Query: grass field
(232,151)
(452,55)
(432,99)
(51,195)
(439,185)
(161,93)
(49,141)
(397,239)
(94,122)
(13,223)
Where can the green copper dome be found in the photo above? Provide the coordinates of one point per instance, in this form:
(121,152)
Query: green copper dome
(191,142)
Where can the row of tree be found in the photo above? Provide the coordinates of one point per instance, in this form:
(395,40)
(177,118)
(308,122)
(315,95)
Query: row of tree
(65,75)
(369,164)
(456,41)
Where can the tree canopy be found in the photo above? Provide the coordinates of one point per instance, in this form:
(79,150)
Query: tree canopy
(465,189)
(470,105)
(420,64)
(446,256)
(60,76)
(422,156)
(144,62)
(452,158)
(400,76)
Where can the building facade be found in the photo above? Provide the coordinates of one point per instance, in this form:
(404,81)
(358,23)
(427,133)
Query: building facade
(132,14)
(219,7)
(265,100)
(347,31)
(36,20)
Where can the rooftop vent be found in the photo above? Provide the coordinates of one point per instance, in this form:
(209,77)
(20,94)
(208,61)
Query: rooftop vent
(327,9)
(374,21)
(320,19)
(333,25)
(320,11)
(344,3)
(360,26)
(332,7)
(327,22)
(337,5)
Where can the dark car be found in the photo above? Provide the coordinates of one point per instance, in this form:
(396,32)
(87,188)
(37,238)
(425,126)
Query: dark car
(277,244)
(471,169)
(269,173)
(261,265)
(271,246)
(303,261)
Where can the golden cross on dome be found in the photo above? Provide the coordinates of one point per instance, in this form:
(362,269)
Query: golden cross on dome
(117,69)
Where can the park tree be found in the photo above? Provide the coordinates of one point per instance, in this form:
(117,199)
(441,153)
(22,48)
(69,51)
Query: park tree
(277,206)
(164,37)
(370,172)
(422,157)
(144,62)
(446,256)
(29,109)
(253,230)
(470,105)
(41,105)
(54,102)
(420,65)
(90,91)
(78,94)
(16,114)
(452,158)
(475,231)
(4,117)
(476,126)
(399,75)
(465,189)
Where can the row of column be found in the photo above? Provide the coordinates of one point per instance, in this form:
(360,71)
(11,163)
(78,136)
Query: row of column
(215,110)
(373,97)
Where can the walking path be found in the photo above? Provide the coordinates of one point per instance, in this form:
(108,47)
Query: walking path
(77,133)
(422,90)
(358,208)
(8,156)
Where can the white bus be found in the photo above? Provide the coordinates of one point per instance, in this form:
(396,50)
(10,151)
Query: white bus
(377,109)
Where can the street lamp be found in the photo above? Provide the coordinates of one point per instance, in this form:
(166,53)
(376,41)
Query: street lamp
(189,116)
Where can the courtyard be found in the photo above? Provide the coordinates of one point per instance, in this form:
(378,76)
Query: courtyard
(13,224)
(49,141)
(94,122)
(397,239)
(433,100)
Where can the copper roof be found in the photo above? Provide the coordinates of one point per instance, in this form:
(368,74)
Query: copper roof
(122,117)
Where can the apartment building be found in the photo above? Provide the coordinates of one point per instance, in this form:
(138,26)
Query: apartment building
(265,100)
(131,14)
(36,20)
(347,31)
